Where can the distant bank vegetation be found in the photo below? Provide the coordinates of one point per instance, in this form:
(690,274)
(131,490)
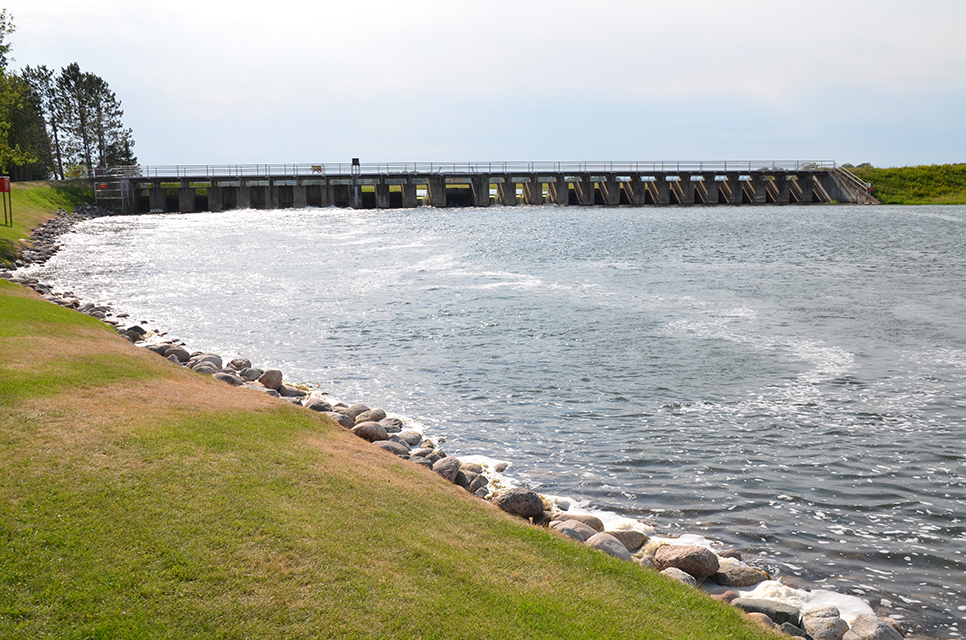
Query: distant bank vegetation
(925,184)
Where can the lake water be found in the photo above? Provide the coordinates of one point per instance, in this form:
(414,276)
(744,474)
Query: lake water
(788,380)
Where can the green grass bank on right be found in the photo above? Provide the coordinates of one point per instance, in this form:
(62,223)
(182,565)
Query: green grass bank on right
(924,184)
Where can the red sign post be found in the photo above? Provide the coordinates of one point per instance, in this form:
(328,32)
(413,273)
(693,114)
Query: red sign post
(7,201)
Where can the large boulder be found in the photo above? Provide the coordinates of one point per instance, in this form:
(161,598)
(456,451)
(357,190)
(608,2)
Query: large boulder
(573,529)
(412,438)
(824,623)
(356,409)
(340,419)
(472,466)
(371,431)
(447,467)
(591,521)
(868,627)
(228,378)
(631,539)
(395,438)
(470,481)
(726,596)
(776,611)
(738,576)
(205,368)
(240,364)
(698,561)
(255,386)
(681,576)
(271,378)
(763,620)
(180,352)
(289,391)
(320,405)
(212,358)
(610,545)
(373,415)
(791,630)
(520,502)
(400,450)
(392,425)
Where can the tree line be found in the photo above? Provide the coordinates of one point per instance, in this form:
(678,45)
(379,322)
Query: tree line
(64,124)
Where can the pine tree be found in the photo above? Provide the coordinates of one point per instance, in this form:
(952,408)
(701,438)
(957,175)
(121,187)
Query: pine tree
(92,114)
(73,87)
(41,81)
(113,140)
(48,120)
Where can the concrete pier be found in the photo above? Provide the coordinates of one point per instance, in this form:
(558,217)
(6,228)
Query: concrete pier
(407,186)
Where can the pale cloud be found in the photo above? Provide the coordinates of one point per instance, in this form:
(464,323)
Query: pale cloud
(202,71)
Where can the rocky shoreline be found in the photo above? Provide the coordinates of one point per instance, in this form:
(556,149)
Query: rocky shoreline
(720,572)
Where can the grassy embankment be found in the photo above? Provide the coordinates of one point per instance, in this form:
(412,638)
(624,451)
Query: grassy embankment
(141,500)
(932,184)
(34,202)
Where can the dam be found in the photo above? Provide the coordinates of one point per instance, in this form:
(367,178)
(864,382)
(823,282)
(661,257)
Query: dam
(196,188)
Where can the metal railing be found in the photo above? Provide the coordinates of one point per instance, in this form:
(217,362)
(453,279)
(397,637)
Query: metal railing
(121,171)
(854,179)
(387,168)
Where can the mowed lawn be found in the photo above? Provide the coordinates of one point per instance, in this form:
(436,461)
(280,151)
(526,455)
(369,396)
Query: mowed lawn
(142,500)
(31,203)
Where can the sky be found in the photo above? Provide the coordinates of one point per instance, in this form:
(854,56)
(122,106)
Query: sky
(282,81)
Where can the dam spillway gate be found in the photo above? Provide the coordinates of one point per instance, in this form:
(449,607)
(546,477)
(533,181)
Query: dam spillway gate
(187,189)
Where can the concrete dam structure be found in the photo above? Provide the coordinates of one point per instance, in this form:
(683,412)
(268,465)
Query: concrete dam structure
(187,189)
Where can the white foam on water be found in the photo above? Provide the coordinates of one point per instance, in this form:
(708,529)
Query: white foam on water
(933,214)
(612,521)
(498,479)
(850,607)
(738,325)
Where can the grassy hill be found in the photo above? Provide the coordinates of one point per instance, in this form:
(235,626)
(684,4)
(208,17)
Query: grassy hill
(141,500)
(933,184)
(34,202)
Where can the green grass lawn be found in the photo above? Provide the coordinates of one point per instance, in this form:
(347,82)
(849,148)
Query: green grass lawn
(142,500)
(34,202)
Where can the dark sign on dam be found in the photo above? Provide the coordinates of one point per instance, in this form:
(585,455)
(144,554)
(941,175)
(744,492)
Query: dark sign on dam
(194,188)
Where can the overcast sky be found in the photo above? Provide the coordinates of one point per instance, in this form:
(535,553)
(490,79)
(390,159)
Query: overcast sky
(459,80)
